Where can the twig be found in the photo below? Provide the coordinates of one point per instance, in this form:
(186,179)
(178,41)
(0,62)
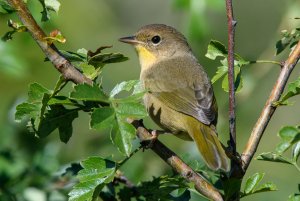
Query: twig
(61,64)
(231,23)
(71,73)
(269,109)
(201,185)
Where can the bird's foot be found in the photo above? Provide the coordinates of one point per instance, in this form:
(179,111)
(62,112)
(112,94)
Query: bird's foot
(148,143)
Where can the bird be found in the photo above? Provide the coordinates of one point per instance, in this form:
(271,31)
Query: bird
(179,95)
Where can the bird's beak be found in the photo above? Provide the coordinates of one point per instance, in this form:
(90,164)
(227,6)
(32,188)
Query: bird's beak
(130,40)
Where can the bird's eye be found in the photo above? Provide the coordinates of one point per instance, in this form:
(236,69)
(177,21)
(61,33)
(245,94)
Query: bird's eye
(155,39)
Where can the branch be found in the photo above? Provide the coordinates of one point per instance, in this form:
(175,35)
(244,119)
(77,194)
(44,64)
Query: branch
(231,23)
(201,185)
(269,109)
(61,64)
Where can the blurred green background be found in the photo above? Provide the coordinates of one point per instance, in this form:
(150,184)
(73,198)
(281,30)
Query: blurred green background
(95,23)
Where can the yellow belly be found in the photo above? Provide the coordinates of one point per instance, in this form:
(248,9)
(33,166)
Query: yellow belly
(167,118)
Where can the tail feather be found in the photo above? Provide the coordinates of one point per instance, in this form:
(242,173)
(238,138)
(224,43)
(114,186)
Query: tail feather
(210,147)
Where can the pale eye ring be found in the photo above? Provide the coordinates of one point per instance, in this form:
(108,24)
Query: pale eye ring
(155,39)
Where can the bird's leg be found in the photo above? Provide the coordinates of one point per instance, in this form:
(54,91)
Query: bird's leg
(148,143)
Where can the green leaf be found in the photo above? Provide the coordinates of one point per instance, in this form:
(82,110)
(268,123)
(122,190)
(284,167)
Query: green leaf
(296,151)
(122,135)
(274,157)
(49,5)
(72,56)
(61,100)
(294,197)
(292,90)
(215,49)
(268,186)
(99,60)
(58,117)
(17,28)
(36,92)
(238,83)
(25,109)
(282,44)
(252,182)
(130,109)
(123,86)
(289,136)
(5,7)
(95,173)
(85,92)
(89,70)
(55,36)
(222,70)
(102,118)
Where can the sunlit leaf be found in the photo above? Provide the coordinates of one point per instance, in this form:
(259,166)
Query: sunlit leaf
(89,71)
(95,173)
(49,5)
(123,86)
(215,49)
(289,135)
(296,151)
(273,157)
(293,89)
(238,83)
(252,182)
(222,70)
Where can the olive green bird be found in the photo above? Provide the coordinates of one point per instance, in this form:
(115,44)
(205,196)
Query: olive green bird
(179,97)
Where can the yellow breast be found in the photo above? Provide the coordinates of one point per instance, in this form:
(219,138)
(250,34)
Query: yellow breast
(146,57)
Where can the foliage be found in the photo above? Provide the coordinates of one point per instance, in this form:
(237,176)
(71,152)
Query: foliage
(217,49)
(47,110)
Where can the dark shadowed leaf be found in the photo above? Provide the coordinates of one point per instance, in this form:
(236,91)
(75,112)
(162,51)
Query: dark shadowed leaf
(5,7)
(95,174)
(102,118)
(101,59)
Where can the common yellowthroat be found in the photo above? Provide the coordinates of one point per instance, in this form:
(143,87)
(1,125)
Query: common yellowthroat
(179,97)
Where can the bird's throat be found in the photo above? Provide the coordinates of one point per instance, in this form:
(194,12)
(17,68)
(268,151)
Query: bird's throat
(145,56)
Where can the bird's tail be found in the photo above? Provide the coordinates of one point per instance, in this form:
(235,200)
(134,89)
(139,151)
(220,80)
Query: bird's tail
(209,146)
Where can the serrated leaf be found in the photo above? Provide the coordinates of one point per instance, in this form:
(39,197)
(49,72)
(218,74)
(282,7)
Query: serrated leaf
(252,182)
(85,92)
(222,70)
(292,90)
(122,135)
(289,135)
(26,110)
(58,117)
(95,173)
(99,60)
(36,92)
(131,109)
(215,49)
(123,86)
(274,157)
(102,118)
(89,71)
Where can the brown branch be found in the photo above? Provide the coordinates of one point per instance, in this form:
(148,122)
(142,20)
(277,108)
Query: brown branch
(61,64)
(269,109)
(201,185)
(231,30)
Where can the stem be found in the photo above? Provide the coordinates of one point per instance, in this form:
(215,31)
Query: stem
(127,158)
(269,109)
(266,61)
(231,30)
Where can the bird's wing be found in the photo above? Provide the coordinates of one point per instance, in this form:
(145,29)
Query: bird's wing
(191,95)
(191,101)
